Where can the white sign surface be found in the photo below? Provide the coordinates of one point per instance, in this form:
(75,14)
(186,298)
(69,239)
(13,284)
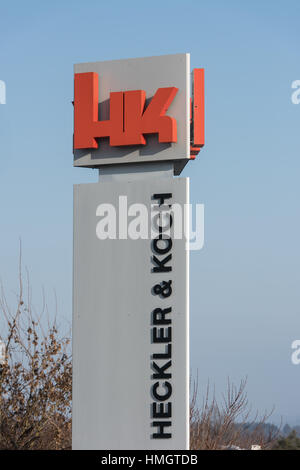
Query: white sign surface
(130,324)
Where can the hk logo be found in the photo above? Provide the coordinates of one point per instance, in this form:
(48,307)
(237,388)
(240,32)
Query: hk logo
(129,119)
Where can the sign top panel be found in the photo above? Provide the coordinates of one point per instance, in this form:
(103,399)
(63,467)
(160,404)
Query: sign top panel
(109,81)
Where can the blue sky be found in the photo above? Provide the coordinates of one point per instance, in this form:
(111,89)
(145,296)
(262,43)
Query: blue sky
(245,305)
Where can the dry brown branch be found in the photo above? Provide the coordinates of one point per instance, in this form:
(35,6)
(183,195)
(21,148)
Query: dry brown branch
(36,378)
(215,427)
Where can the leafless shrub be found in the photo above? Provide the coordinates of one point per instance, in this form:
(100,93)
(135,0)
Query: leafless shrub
(35,378)
(215,426)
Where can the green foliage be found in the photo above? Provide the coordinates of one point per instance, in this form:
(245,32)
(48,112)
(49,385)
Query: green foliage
(291,442)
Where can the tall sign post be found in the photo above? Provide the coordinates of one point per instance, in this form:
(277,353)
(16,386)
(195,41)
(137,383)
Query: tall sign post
(138,121)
